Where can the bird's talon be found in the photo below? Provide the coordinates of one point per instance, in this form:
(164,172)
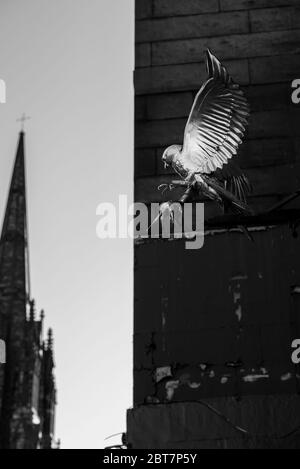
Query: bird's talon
(164,187)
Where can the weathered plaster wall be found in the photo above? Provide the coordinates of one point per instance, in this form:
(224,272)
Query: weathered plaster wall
(218,321)
(222,423)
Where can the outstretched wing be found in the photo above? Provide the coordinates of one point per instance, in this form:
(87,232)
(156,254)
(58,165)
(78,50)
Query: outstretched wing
(216,123)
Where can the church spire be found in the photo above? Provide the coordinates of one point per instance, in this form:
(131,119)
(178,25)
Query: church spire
(13,289)
(13,241)
(27,384)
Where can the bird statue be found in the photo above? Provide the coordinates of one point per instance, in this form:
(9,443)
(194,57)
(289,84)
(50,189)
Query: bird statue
(212,135)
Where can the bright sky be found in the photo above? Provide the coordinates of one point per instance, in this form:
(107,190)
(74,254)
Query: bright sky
(68,64)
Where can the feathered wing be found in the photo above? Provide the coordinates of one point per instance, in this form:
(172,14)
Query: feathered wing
(216,123)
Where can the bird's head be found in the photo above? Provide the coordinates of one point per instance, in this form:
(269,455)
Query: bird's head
(170,154)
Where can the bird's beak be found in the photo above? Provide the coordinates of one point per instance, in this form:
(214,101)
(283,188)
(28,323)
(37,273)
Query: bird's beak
(165,165)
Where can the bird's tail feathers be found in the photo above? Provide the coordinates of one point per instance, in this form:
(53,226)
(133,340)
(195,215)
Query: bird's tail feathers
(236,205)
(240,208)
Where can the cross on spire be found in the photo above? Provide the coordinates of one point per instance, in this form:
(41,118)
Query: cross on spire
(22,119)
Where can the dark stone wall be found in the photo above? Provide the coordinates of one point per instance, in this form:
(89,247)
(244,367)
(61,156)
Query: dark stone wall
(260,43)
(213,327)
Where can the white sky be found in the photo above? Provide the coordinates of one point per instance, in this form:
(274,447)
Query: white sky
(68,64)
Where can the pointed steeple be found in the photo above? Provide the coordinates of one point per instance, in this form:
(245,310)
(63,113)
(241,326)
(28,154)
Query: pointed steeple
(13,244)
(13,288)
(27,384)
